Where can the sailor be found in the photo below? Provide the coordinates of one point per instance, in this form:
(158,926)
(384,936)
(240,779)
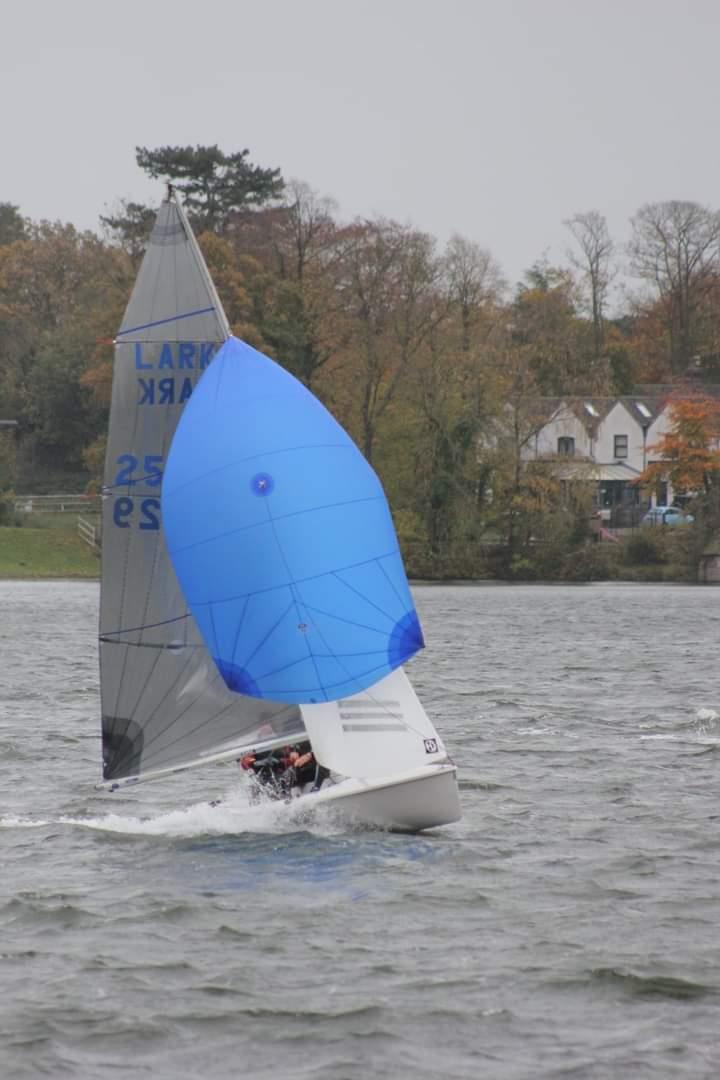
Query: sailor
(305,768)
(267,767)
(282,771)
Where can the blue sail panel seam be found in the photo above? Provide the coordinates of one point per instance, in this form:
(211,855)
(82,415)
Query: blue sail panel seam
(161,322)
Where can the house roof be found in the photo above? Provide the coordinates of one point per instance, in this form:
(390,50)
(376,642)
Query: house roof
(591,411)
(590,470)
(644,408)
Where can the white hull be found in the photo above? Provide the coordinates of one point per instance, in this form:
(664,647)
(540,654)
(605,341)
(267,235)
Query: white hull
(407,802)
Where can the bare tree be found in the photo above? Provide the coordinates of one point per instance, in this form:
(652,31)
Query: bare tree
(307,229)
(451,386)
(308,328)
(474,280)
(455,391)
(506,445)
(298,244)
(674,248)
(390,288)
(595,264)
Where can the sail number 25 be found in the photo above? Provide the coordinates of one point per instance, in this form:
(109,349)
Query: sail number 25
(128,511)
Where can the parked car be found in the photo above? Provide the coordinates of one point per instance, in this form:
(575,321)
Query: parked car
(667,515)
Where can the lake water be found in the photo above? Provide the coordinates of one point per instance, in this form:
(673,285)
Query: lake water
(568,926)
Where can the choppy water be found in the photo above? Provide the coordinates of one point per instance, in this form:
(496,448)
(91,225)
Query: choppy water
(568,926)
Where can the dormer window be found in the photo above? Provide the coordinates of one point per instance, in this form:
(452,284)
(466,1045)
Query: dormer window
(621,446)
(566,446)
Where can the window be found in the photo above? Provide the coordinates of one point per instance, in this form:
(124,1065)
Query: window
(621,446)
(566,445)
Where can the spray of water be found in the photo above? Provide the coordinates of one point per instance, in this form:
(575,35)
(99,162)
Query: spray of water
(232,815)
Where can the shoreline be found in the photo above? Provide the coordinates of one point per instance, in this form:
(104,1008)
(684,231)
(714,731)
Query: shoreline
(475,583)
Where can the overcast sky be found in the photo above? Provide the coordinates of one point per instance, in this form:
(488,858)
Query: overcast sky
(496,119)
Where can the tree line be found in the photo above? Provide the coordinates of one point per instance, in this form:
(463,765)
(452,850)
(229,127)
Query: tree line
(425,353)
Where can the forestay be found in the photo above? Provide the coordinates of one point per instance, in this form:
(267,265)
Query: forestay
(164,704)
(282,539)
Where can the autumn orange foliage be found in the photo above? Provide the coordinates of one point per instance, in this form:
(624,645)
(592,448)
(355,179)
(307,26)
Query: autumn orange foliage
(690,450)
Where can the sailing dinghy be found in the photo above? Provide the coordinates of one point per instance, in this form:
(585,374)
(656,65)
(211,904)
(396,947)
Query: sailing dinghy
(252,592)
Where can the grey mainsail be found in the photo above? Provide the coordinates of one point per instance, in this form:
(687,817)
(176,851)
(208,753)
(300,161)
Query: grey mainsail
(164,704)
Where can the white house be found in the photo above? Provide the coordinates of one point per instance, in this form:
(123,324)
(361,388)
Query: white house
(606,441)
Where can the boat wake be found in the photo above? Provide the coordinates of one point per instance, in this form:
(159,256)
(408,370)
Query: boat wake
(233,815)
(704,728)
(707,726)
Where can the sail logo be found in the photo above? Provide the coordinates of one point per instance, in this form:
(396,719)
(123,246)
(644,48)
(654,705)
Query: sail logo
(166,357)
(164,391)
(174,355)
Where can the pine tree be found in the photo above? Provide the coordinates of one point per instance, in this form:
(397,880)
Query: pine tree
(213,184)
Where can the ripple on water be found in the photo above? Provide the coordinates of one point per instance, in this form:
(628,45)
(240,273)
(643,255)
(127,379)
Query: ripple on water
(566,926)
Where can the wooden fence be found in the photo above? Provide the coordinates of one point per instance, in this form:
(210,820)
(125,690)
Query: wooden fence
(90,532)
(56,504)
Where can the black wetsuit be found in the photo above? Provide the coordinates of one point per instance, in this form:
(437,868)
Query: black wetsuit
(278,779)
(310,773)
(269,769)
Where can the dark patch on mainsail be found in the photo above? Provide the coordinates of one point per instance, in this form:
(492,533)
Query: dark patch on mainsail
(123,743)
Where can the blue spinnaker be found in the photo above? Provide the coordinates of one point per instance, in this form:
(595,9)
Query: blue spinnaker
(281,538)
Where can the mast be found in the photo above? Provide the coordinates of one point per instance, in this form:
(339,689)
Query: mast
(173,197)
(164,703)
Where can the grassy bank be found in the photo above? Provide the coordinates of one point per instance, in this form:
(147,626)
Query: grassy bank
(46,553)
(48,546)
